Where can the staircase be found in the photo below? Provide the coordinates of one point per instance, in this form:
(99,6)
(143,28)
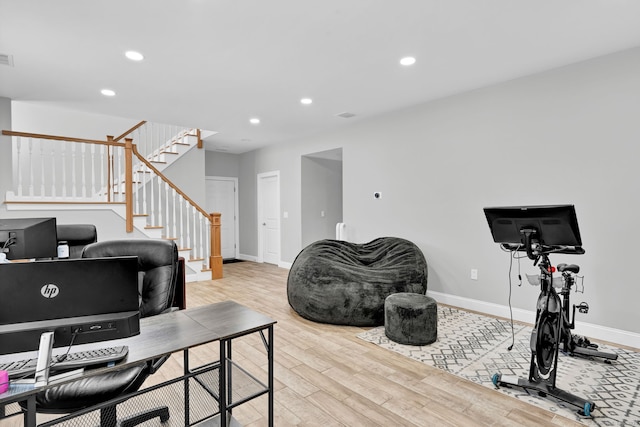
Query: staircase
(57,173)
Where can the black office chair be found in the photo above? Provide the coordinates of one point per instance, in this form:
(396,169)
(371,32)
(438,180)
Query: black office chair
(77,237)
(158,275)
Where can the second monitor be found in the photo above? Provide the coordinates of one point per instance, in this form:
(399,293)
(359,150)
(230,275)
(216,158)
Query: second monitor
(553,227)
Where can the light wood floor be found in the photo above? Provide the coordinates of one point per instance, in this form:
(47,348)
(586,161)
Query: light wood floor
(325,376)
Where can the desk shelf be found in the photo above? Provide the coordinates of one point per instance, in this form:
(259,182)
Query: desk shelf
(197,390)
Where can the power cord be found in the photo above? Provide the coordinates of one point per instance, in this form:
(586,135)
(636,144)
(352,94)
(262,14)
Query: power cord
(10,241)
(512,256)
(60,359)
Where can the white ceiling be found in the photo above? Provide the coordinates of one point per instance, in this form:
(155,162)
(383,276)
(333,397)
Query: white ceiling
(214,64)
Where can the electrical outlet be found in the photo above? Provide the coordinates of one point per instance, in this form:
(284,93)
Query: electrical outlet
(474,274)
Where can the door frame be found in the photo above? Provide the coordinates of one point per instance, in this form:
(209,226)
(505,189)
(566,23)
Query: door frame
(260,229)
(236,225)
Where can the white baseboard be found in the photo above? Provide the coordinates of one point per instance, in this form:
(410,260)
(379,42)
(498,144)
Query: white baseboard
(286,265)
(247,258)
(281,264)
(594,332)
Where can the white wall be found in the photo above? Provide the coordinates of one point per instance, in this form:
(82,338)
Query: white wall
(570,135)
(49,119)
(222,164)
(188,174)
(6,172)
(321,203)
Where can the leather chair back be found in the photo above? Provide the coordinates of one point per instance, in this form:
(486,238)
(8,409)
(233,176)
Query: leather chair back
(77,236)
(157,269)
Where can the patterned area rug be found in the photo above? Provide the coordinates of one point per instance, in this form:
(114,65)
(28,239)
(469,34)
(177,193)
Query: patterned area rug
(474,347)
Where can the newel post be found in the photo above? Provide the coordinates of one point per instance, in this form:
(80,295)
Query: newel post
(128,182)
(215,259)
(109,168)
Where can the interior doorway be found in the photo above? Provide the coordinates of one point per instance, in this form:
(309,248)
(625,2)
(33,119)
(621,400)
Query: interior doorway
(222,196)
(269,217)
(321,199)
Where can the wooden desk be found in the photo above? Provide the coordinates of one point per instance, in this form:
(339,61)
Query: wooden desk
(169,333)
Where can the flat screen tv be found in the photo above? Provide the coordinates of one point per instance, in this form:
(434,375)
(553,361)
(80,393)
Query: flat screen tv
(553,227)
(28,238)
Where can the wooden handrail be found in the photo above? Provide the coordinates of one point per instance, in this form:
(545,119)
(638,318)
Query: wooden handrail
(61,138)
(130,130)
(215,257)
(168,181)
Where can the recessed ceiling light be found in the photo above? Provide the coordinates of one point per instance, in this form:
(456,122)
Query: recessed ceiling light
(107,92)
(306,101)
(133,55)
(254,121)
(408,60)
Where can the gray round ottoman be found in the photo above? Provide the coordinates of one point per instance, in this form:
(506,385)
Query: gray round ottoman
(411,318)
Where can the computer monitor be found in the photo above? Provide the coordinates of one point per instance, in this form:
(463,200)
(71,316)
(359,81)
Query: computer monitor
(27,238)
(81,300)
(553,228)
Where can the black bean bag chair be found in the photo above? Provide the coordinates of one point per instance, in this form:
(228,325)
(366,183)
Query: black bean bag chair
(343,283)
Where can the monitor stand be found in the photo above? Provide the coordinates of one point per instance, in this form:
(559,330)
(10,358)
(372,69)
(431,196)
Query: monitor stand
(41,376)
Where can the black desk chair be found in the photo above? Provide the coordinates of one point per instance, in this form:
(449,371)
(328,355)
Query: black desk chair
(158,274)
(77,236)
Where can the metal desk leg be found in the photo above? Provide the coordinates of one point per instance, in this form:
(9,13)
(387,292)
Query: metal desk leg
(270,362)
(230,378)
(30,415)
(187,421)
(223,383)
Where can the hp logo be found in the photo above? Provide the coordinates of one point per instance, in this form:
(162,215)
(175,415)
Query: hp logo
(49,291)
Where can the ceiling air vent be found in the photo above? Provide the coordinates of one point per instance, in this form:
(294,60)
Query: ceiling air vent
(6,59)
(346,115)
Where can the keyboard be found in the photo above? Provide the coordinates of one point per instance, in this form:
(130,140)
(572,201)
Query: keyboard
(63,362)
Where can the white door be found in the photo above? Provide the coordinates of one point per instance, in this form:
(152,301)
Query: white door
(222,197)
(269,217)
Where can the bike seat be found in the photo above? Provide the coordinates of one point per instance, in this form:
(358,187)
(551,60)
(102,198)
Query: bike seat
(569,267)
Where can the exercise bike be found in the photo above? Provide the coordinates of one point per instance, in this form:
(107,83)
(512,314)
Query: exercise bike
(552,328)
(576,345)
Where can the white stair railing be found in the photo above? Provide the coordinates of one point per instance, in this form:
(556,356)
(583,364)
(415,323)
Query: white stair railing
(53,169)
(59,169)
(156,140)
(165,211)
